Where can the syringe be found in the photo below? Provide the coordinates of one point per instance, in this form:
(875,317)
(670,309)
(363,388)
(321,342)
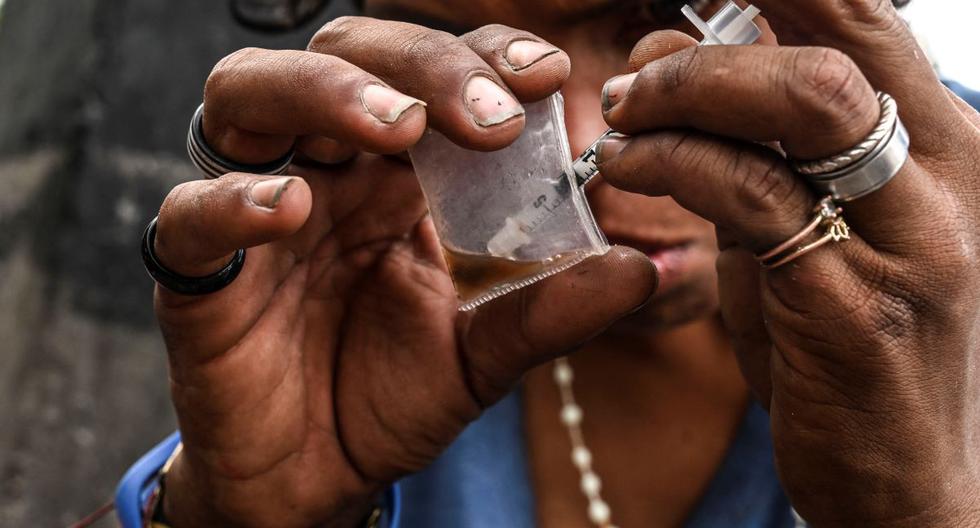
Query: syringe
(731,25)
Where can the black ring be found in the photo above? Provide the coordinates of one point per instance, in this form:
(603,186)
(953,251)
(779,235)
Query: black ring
(215,165)
(179,283)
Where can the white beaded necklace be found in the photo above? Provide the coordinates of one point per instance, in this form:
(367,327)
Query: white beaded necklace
(571,416)
(571,413)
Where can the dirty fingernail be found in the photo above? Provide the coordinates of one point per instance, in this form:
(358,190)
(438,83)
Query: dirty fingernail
(610,147)
(615,90)
(267,193)
(488,103)
(386,104)
(522,54)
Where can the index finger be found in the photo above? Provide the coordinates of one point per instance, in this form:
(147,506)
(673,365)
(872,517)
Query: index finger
(256,101)
(873,34)
(467,99)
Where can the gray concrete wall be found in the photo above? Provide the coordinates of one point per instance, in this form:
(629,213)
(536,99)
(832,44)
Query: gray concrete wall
(95,96)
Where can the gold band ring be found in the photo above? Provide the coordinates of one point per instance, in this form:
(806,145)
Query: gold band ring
(827,215)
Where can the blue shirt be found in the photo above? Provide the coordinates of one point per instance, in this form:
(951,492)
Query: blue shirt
(482,480)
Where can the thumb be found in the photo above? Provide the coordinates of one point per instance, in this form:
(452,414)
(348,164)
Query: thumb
(657,45)
(201,224)
(511,335)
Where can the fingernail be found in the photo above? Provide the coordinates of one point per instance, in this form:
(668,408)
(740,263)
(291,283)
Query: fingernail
(522,54)
(386,104)
(488,103)
(610,147)
(615,89)
(267,193)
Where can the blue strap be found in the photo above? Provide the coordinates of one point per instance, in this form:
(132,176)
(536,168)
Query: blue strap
(393,507)
(137,485)
(139,482)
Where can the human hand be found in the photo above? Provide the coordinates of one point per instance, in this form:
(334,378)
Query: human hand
(864,352)
(337,361)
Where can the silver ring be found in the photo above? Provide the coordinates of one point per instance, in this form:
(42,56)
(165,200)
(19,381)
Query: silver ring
(213,165)
(889,110)
(866,167)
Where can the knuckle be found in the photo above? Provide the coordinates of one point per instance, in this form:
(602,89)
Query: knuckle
(849,311)
(493,29)
(171,204)
(425,46)
(234,59)
(307,71)
(895,316)
(484,381)
(493,38)
(878,308)
(829,84)
(765,185)
(332,31)
(678,70)
(171,214)
(674,149)
(891,311)
(224,73)
(867,11)
(185,212)
(685,149)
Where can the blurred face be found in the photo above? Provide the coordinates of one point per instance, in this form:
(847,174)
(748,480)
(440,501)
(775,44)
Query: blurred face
(598,36)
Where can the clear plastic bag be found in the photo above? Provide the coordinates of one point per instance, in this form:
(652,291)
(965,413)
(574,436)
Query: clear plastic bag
(509,218)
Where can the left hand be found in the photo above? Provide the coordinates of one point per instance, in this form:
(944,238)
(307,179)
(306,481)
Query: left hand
(865,352)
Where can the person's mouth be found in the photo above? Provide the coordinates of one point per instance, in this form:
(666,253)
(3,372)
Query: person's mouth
(673,258)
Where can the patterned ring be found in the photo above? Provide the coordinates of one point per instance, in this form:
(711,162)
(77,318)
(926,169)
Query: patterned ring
(886,123)
(213,165)
(826,214)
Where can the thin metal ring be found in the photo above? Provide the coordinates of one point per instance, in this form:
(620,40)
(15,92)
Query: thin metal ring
(869,174)
(826,214)
(182,284)
(886,123)
(213,165)
(853,177)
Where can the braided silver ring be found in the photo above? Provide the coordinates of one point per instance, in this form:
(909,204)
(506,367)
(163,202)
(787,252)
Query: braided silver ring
(889,110)
(866,167)
(213,165)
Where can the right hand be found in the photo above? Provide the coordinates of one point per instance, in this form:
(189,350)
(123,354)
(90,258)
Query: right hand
(337,361)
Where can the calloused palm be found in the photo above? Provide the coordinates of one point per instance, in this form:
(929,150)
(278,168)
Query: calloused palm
(338,361)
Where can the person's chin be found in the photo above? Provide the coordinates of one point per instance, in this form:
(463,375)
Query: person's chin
(687,290)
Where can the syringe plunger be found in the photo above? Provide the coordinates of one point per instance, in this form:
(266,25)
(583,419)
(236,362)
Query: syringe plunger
(731,26)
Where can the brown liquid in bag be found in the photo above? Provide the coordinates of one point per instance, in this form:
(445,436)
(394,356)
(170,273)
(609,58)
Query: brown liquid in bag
(475,274)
